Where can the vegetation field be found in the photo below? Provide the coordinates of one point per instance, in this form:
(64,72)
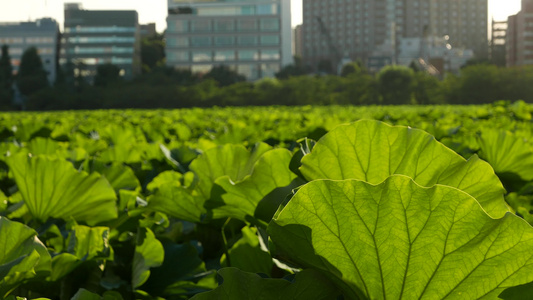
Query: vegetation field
(337,202)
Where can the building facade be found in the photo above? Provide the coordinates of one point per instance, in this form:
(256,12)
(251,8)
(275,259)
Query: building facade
(519,43)
(370,29)
(252,37)
(298,41)
(42,34)
(93,38)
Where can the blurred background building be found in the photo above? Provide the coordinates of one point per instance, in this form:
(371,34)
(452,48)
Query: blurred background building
(519,37)
(97,37)
(252,37)
(42,34)
(370,31)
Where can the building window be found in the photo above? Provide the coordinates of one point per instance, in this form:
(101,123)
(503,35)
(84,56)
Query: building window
(8,41)
(15,51)
(200,41)
(202,56)
(178,26)
(247,25)
(248,40)
(224,40)
(224,25)
(270,55)
(269,70)
(178,42)
(201,68)
(248,55)
(269,25)
(251,72)
(97,40)
(201,25)
(267,9)
(45,51)
(270,40)
(100,29)
(39,40)
(179,56)
(224,55)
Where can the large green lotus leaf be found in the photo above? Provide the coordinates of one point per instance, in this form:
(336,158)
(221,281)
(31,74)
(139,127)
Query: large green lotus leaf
(246,254)
(398,240)
(241,199)
(237,284)
(508,154)
(229,160)
(181,266)
(120,176)
(22,257)
(84,294)
(3,201)
(83,244)
(178,202)
(163,178)
(52,188)
(372,151)
(149,253)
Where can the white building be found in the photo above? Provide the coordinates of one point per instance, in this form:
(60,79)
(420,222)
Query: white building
(436,51)
(252,37)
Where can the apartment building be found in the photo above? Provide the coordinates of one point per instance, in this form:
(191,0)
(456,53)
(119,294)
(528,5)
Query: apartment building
(41,34)
(95,37)
(252,37)
(369,29)
(519,43)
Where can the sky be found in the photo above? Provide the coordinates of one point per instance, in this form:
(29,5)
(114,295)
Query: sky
(155,11)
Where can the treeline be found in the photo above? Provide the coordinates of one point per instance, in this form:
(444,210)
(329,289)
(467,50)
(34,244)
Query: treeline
(163,87)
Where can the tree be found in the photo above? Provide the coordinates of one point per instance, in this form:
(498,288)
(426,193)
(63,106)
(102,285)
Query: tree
(106,75)
(31,77)
(224,75)
(396,84)
(152,52)
(295,69)
(352,68)
(6,79)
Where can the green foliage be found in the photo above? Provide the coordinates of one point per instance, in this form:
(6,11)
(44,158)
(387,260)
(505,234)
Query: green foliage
(439,244)
(6,79)
(106,74)
(149,253)
(23,255)
(152,53)
(52,188)
(153,204)
(293,70)
(241,285)
(31,76)
(224,75)
(396,84)
(378,150)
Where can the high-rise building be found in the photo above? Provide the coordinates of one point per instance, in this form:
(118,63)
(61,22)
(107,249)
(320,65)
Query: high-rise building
(497,43)
(252,37)
(370,29)
(519,43)
(41,34)
(147,30)
(298,41)
(96,37)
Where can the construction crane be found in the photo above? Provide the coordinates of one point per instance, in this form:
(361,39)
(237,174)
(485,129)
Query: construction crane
(333,50)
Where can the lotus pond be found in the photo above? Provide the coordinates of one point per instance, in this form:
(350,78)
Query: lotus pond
(429,202)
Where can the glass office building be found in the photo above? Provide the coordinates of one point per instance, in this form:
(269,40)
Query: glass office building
(253,37)
(41,34)
(93,38)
